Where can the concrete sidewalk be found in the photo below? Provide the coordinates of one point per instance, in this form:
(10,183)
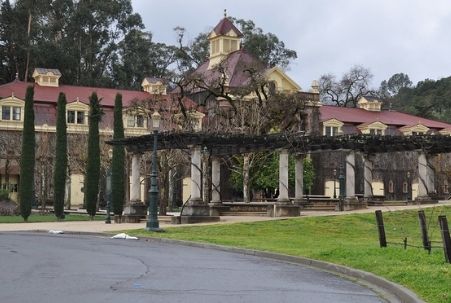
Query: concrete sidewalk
(101,227)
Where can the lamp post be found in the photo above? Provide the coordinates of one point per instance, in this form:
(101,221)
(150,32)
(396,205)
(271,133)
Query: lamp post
(108,189)
(152,221)
(341,179)
(335,184)
(408,186)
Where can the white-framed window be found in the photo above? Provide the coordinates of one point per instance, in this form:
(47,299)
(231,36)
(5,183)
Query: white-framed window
(332,127)
(445,187)
(375,131)
(137,120)
(214,46)
(76,117)
(11,113)
(417,133)
(331,131)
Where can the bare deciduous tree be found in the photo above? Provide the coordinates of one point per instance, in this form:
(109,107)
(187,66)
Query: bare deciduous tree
(347,91)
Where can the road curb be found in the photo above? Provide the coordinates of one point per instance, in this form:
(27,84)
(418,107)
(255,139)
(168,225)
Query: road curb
(392,292)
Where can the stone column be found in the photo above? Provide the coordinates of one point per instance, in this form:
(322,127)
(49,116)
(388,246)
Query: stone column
(283,207)
(136,209)
(299,182)
(196,178)
(425,177)
(215,180)
(196,210)
(367,177)
(135,194)
(350,174)
(283,176)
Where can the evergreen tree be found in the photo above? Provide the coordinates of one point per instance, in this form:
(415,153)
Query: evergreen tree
(117,181)
(26,189)
(93,165)
(59,174)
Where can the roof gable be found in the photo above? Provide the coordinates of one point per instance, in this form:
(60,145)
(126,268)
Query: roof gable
(283,81)
(225,27)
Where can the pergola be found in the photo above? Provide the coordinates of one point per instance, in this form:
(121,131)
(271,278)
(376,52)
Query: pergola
(230,144)
(299,144)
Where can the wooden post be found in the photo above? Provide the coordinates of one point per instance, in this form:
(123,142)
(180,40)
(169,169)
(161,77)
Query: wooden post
(445,237)
(424,231)
(381,229)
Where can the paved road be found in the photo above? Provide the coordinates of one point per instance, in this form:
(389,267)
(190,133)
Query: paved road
(68,268)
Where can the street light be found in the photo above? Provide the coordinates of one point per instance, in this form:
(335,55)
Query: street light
(342,196)
(152,221)
(108,189)
(408,186)
(335,185)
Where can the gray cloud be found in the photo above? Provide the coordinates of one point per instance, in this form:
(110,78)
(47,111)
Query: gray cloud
(330,36)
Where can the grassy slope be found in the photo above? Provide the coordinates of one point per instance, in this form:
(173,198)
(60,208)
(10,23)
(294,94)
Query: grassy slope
(349,240)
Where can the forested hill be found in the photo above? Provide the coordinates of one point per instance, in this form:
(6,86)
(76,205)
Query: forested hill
(429,98)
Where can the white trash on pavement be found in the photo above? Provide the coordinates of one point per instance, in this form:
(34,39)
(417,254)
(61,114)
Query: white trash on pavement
(124,236)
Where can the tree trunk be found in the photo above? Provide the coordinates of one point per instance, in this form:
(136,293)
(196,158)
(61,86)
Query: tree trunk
(28,46)
(246,187)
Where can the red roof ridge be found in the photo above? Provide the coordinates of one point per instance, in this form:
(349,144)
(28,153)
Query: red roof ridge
(224,26)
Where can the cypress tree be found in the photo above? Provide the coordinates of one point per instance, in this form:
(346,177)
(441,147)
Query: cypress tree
(117,163)
(27,163)
(59,174)
(93,165)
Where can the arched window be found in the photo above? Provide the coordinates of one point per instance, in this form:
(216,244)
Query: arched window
(391,187)
(405,187)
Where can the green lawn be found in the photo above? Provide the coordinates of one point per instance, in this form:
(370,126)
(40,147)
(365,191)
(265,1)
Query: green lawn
(48,218)
(350,240)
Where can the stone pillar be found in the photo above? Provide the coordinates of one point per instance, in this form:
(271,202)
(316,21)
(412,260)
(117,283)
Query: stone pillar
(283,176)
(216,206)
(299,182)
(426,184)
(215,180)
(283,207)
(135,194)
(367,178)
(196,209)
(136,209)
(350,174)
(196,176)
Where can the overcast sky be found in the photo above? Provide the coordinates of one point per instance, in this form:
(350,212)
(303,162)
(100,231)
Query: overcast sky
(329,36)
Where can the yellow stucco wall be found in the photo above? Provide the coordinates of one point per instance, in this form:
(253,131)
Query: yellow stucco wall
(76,185)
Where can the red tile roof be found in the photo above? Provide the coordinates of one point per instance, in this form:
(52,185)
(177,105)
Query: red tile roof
(359,116)
(224,26)
(236,65)
(108,95)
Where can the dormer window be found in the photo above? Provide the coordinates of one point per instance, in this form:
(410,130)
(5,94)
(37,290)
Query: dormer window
(331,131)
(374,131)
(373,128)
(332,127)
(76,117)
(135,118)
(11,112)
(414,130)
(154,86)
(370,104)
(46,77)
(136,121)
